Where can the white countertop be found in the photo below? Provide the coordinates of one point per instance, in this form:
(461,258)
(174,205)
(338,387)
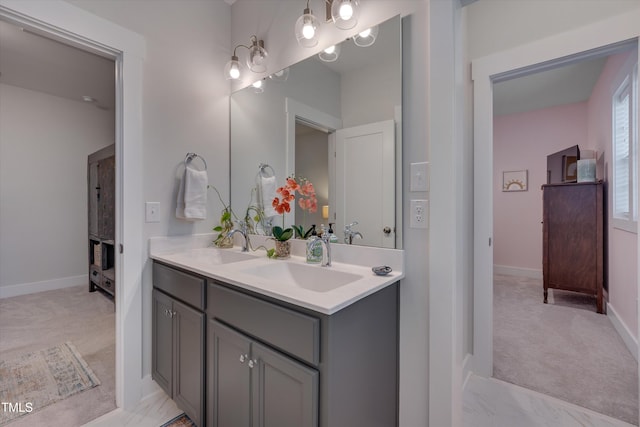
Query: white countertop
(351,264)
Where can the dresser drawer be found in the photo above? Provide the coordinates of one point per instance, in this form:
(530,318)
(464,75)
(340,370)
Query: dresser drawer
(292,332)
(183,286)
(95,276)
(109,285)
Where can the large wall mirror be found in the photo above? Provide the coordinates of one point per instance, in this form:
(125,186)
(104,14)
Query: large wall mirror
(337,124)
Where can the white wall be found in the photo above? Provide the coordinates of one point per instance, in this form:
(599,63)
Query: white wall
(44,144)
(185,109)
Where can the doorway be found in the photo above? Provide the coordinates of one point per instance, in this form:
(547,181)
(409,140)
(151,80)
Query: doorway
(540,55)
(65,22)
(548,347)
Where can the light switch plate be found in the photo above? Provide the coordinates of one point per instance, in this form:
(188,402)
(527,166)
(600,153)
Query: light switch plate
(419,177)
(152,210)
(419,214)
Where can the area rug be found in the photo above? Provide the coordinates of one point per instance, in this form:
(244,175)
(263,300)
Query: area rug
(40,378)
(180,421)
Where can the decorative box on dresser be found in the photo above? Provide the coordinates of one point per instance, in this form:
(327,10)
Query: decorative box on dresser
(101,221)
(573,239)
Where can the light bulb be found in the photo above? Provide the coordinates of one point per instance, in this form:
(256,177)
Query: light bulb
(308,31)
(330,50)
(232,69)
(346,11)
(365,33)
(257,84)
(234,72)
(330,54)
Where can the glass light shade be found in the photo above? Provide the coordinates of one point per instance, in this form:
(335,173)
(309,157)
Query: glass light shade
(306,29)
(367,37)
(232,69)
(257,58)
(280,76)
(345,13)
(330,54)
(258,87)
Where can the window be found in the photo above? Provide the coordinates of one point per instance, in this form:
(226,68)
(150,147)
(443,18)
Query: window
(625,170)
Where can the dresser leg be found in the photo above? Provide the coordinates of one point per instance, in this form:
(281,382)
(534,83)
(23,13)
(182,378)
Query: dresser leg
(546,293)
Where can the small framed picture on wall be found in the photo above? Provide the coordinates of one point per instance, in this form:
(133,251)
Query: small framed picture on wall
(515,180)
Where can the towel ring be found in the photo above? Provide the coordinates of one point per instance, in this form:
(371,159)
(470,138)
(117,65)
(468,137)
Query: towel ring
(190,156)
(262,170)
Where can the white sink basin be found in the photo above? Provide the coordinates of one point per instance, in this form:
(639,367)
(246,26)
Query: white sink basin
(311,277)
(212,256)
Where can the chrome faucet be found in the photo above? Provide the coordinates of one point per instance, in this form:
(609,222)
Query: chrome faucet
(349,234)
(319,241)
(242,230)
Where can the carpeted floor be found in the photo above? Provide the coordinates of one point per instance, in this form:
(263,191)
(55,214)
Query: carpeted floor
(36,321)
(563,349)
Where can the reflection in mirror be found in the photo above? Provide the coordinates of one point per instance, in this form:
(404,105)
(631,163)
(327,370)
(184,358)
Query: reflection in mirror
(335,124)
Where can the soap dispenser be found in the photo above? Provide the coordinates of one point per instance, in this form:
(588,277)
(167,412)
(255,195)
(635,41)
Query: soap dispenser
(314,247)
(332,237)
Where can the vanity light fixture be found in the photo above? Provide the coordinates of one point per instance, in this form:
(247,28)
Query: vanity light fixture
(344,13)
(330,54)
(258,86)
(280,76)
(256,59)
(367,37)
(306,28)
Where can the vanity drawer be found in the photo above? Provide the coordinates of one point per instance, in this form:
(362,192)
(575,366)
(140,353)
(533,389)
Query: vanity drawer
(288,330)
(183,286)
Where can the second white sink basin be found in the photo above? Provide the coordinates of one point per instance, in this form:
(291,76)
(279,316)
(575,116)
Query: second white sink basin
(312,277)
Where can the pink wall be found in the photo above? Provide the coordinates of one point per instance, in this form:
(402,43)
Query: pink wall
(623,246)
(523,141)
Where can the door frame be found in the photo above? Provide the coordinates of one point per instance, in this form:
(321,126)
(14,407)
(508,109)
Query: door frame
(546,53)
(71,25)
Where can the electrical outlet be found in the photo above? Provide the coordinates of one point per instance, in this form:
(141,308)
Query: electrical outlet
(152,212)
(419,214)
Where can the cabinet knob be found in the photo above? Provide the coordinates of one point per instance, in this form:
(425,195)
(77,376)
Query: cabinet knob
(243,358)
(386,230)
(252,363)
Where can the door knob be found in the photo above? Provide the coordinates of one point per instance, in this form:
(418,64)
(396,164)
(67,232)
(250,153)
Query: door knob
(386,230)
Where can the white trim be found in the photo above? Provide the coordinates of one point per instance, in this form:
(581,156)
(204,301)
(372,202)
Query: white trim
(511,62)
(75,26)
(532,273)
(629,340)
(42,286)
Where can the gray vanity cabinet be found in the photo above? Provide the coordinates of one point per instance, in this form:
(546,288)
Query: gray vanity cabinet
(305,368)
(253,385)
(178,361)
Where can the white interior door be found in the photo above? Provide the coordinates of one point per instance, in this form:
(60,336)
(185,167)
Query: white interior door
(365,183)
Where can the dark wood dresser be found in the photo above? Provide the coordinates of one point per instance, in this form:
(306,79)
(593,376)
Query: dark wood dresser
(573,239)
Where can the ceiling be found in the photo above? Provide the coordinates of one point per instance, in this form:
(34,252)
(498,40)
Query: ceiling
(34,62)
(564,85)
(37,63)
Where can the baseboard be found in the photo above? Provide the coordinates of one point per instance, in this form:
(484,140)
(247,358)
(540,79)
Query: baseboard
(149,387)
(517,271)
(45,285)
(629,340)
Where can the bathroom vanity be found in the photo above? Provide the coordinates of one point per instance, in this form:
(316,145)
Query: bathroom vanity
(251,347)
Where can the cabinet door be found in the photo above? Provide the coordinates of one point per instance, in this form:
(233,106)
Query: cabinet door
(107,202)
(230,397)
(92,193)
(285,392)
(188,380)
(162,341)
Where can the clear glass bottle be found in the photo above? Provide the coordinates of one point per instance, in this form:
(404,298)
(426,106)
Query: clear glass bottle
(314,247)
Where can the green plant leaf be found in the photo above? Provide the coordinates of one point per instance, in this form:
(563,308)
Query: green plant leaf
(271,253)
(218,229)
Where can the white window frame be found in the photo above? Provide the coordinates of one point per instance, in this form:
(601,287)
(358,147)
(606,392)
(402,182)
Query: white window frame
(626,83)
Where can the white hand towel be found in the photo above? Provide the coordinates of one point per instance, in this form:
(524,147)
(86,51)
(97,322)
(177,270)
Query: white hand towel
(268,189)
(195,194)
